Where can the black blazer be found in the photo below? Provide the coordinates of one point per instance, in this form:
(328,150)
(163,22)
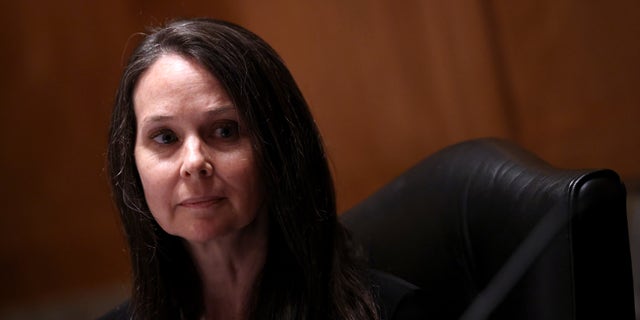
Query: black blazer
(397,299)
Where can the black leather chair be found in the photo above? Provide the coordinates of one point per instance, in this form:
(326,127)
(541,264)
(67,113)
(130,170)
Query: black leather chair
(489,230)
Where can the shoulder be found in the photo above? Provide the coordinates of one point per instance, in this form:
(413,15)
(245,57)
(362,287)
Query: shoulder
(120,312)
(397,298)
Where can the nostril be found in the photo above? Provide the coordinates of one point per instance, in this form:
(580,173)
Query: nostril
(206,169)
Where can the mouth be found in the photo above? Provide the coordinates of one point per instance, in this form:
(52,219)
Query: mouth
(202,202)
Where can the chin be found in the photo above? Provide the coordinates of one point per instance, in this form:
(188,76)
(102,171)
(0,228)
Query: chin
(194,231)
(200,233)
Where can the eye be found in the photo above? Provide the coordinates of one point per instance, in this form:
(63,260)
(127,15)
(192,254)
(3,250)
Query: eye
(227,130)
(165,137)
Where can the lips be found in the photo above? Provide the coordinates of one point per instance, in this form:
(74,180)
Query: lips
(201,202)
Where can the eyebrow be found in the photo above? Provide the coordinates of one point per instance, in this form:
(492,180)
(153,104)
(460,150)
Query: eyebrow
(209,113)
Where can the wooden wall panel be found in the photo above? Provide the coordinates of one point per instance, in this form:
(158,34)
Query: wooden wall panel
(58,230)
(573,68)
(388,82)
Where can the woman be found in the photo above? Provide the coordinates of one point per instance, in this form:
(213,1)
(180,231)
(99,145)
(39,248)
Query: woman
(223,187)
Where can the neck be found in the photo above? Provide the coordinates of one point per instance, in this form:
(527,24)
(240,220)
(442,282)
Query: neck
(229,269)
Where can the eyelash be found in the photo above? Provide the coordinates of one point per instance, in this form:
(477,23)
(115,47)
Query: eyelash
(231,130)
(160,135)
(226,130)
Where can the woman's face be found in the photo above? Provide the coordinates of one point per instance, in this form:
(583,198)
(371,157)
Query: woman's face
(193,153)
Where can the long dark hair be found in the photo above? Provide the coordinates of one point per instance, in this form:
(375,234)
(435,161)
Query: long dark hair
(310,271)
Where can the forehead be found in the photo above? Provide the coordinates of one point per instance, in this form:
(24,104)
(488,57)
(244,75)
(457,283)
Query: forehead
(175,81)
(171,70)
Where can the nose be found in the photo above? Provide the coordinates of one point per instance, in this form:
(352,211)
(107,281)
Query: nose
(196,161)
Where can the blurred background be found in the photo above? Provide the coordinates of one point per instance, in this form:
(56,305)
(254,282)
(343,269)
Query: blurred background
(389,83)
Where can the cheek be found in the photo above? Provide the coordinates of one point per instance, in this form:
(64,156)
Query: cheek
(247,180)
(255,187)
(151,188)
(145,173)
(154,179)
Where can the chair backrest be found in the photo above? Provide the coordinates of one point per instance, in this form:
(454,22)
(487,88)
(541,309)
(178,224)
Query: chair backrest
(454,221)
